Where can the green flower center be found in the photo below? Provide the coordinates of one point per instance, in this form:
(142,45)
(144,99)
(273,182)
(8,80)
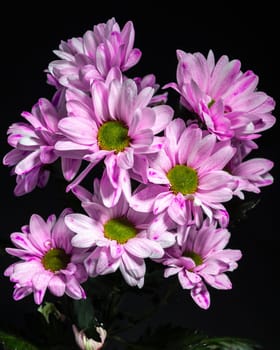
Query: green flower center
(113,136)
(195,257)
(183,179)
(120,230)
(55,259)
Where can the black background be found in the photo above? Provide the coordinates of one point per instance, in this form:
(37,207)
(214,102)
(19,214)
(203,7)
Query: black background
(28,36)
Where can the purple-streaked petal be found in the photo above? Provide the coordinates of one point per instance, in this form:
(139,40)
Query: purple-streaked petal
(157,177)
(201,296)
(28,163)
(74,290)
(162,201)
(177,210)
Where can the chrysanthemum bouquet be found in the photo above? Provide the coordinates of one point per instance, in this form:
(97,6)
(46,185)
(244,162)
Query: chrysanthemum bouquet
(148,188)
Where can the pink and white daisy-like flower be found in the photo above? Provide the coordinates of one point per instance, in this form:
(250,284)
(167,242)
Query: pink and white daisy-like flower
(33,144)
(86,343)
(199,258)
(187,176)
(114,123)
(222,96)
(49,261)
(83,60)
(120,237)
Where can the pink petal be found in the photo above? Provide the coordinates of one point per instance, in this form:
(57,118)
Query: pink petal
(49,114)
(162,201)
(132,266)
(218,160)
(223,76)
(177,210)
(74,290)
(28,163)
(79,130)
(201,296)
(113,98)
(125,159)
(47,155)
(109,193)
(216,196)
(219,282)
(40,235)
(157,177)
(41,280)
(174,131)
(56,286)
(125,184)
(164,115)
(144,248)
(184,280)
(171,271)
(144,198)
(70,167)
(22,292)
(87,229)
(143,98)
(100,100)
(213,180)
(127,100)
(61,233)
(133,59)
(20,240)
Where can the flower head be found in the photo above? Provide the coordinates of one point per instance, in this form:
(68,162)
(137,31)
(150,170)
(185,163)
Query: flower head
(199,258)
(222,96)
(85,343)
(115,122)
(48,260)
(90,58)
(33,144)
(120,237)
(187,176)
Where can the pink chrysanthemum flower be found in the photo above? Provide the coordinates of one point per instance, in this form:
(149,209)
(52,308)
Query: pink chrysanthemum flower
(115,123)
(222,96)
(83,60)
(187,176)
(199,258)
(49,260)
(33,144)
(120,237)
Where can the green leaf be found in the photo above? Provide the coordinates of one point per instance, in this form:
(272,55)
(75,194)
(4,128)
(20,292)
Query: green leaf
(84,313)
(239,209)
(168,337)
(49,309)
(225,343)
(14,342)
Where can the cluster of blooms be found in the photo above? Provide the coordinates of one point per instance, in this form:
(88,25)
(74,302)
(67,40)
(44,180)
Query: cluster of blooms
(165,178)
